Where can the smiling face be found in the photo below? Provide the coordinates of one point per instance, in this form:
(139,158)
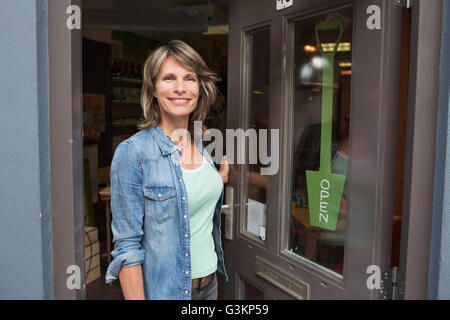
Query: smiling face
(176,89)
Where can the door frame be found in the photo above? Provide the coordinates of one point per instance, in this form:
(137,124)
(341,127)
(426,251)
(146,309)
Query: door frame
(66,149)
(420,153)
(65,112)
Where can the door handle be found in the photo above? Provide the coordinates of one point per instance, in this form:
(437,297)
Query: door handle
(227,210)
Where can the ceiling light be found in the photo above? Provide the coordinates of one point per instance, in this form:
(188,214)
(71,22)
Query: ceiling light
(258,92)
(309,48)
(343,46)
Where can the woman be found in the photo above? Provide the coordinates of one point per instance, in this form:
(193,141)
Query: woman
(166,194)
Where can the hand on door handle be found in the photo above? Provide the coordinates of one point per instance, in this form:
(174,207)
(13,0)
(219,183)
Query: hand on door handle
(227,210)
(227,207)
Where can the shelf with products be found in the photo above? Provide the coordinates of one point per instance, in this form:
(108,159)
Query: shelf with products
(126,71)
(126,95)
(126,82)
(125,112)
(93,117)
(122,102)
(121,129)
(124,122)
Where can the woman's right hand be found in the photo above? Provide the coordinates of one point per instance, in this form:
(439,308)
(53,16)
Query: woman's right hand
(224,169)
(132,283)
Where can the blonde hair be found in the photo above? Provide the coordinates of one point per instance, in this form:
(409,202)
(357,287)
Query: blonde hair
(192,61)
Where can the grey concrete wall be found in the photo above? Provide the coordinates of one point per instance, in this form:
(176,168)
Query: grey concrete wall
(439,275)
(25,222)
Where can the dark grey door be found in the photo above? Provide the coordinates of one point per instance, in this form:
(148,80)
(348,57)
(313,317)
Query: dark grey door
(281,79)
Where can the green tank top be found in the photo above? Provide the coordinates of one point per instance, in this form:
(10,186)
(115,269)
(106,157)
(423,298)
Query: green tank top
(204,186)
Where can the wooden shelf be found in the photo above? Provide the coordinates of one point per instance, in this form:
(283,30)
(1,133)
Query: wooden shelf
(123,102)
(126,80)
(112,124)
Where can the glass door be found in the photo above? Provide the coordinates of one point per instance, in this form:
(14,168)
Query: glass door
(313,90)
(256,119)
(310,89)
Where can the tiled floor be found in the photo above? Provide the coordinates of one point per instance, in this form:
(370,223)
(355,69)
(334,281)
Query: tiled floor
(98,290)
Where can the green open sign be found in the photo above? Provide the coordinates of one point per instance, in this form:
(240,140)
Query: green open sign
(325,188)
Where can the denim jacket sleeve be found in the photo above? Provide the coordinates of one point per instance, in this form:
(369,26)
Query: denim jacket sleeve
(127,207)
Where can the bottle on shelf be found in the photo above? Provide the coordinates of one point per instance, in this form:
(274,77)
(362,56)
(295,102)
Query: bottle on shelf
(114,68)
(126,69)
(122,68)
(140,71)
(128,73)
(135,71)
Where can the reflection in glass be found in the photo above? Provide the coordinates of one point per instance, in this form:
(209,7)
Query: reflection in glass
(255,184)
(319,245)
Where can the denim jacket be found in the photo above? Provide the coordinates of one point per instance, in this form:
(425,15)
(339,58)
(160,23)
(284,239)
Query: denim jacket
(151,225)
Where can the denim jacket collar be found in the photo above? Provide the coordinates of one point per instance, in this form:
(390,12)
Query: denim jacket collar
(164,143)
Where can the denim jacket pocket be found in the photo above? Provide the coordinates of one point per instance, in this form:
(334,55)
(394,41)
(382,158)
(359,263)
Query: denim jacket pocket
(160,202)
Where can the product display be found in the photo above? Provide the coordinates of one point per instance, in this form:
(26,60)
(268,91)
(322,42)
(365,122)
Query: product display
(126,69)
(93,116)
(125,106)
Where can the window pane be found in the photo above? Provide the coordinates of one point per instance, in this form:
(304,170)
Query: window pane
(320,137)
(255,184)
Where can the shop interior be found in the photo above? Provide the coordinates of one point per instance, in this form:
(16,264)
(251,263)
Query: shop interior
(117,38)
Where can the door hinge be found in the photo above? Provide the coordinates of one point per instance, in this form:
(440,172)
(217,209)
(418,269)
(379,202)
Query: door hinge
(388,284)
(402,3)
